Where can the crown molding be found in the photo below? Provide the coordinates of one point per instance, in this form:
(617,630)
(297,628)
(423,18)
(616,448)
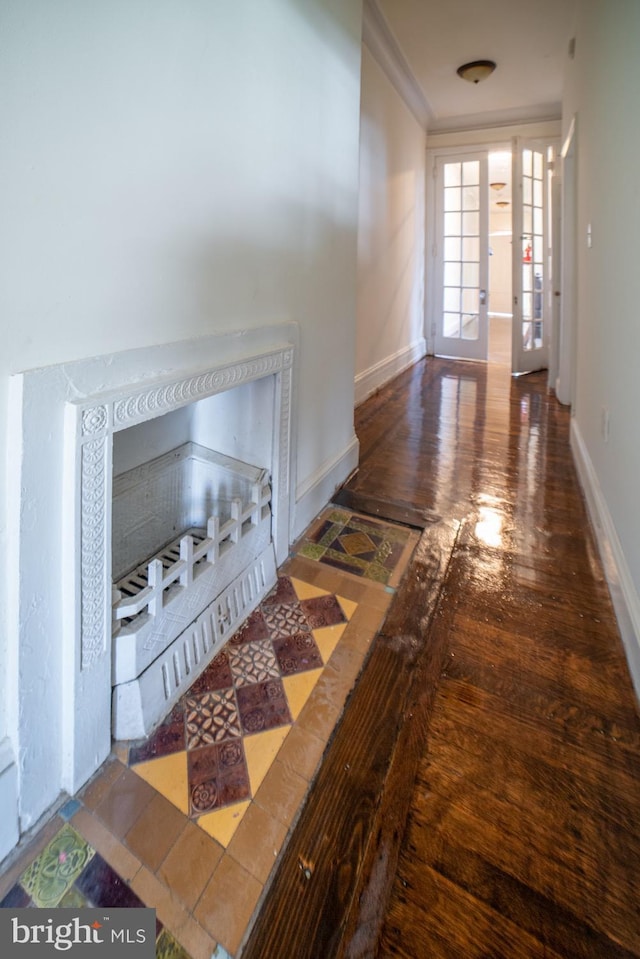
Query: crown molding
(383,46)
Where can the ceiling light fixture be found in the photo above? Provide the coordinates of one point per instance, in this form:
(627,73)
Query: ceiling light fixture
(497,185)
(502,203)
(476,71)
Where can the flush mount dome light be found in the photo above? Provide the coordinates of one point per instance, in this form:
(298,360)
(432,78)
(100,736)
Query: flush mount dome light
(476,71)
(497,185)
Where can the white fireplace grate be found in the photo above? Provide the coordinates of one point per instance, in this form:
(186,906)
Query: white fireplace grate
(146,589)
(130,587)
(174,611)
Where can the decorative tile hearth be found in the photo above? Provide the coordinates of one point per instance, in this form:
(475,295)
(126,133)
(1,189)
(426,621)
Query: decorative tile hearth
(208,757)
(162,822)
(358,545)
(70,873)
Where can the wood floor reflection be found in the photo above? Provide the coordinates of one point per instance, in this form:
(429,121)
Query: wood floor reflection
(481,797)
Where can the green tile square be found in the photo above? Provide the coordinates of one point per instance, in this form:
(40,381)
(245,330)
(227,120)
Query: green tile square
(169,948)
(57,867)
(312,551)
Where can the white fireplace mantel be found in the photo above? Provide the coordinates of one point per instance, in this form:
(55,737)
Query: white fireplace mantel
(63,419)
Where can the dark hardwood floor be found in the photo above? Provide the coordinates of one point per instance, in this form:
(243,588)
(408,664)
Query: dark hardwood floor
(481,797)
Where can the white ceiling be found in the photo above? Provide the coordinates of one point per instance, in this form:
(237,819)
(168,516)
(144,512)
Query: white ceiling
(528,39)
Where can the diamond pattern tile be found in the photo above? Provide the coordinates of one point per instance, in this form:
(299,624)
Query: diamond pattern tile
(168,738)
(218,776)
(211,718)
(323,611)
(239,694)
(297,653)
(254,629)
(207,758)
(282,593)
(217,675)
(286,620)
(253,663)
(263,706)
(357,545)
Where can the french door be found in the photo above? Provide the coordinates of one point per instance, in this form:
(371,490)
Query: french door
(531,258)
(461,260)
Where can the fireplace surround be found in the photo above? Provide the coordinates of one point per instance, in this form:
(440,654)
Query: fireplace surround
(63,422)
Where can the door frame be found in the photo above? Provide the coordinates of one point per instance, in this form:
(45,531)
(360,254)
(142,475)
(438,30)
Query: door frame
(568,332)
(535,358)
(432,294)
(461,347)
(547,132)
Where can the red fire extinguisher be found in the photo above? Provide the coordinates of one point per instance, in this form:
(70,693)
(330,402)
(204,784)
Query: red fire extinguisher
(526,256)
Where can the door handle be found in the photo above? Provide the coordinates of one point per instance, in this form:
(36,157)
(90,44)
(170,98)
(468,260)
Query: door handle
(483,297)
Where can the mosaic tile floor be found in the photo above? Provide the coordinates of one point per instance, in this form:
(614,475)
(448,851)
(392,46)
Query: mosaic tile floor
(357,545)
(213,751)
(192,820)
(69,872)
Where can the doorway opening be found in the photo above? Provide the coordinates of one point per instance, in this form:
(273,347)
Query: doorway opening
(491,266)
(500,257)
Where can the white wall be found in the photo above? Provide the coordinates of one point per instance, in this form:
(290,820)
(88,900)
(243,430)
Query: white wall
(172,168)
(602,95)
(390,326)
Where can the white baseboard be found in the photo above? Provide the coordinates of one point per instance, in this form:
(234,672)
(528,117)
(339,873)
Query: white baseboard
(376,376)
(624,595)
(9,830)
(313,495)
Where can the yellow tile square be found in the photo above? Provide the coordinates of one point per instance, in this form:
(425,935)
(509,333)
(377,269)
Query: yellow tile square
(328,638)
(306,590)
(347,605)
(223,823)
(260,751)
(298,688)
(168,775)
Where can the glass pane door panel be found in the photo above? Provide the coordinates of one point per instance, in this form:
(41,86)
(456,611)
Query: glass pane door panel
(461,277)
(471,224)
(471,198)
(462,217)
(537,164)
(470,301)
(537,194)
(452,248)
(452,325)
(452,274)
(471,274)
(452,174)
(451,299)
(452,197)
(537,221)
(471,172)
(470,327)
(471,249)
(532,248)
(452,224)
(531,256)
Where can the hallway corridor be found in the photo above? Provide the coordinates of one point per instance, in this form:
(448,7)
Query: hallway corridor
(445,763)
(515,752)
